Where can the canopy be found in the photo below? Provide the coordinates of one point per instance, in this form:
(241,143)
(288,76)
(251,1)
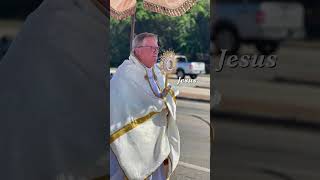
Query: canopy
(121,9)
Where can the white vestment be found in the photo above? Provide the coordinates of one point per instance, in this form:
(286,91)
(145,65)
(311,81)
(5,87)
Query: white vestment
(143,129)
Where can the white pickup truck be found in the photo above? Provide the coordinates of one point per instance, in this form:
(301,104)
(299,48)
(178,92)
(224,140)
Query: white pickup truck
(184,67)
(264,23)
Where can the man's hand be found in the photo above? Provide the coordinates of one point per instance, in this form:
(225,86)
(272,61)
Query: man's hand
(166,91)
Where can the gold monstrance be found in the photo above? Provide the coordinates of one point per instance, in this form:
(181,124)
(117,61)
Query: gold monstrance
(167,64)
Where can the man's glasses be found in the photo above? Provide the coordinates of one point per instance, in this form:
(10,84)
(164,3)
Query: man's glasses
(153,48)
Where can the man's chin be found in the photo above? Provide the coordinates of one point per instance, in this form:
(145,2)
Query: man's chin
(155,59)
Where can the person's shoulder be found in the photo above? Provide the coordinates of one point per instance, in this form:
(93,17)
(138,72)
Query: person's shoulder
(124,64)
(126,70)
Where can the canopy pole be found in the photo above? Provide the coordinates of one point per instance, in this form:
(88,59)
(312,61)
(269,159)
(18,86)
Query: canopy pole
(133,22)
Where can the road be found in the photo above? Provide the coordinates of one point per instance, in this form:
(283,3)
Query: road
(259,152)
(244,151)
(291,90)
(254,152)
(193,118)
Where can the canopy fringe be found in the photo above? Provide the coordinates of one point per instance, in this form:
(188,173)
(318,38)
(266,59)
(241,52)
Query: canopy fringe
(167,11)
(122,15)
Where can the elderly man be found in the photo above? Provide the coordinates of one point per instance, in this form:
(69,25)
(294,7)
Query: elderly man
(144,140)
(53,94)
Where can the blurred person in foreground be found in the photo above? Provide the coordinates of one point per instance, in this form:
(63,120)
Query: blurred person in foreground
(53,94)
(144,138)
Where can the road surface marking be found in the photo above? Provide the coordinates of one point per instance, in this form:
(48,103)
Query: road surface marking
(192,166)
(200,118)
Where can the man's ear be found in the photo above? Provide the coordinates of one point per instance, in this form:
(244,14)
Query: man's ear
(135,51)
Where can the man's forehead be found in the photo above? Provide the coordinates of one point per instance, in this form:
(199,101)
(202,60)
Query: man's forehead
(149,41)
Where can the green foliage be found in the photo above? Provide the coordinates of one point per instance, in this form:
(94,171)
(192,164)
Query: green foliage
(187,34)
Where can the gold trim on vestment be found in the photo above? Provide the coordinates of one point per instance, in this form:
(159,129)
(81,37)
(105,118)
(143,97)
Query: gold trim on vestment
(151,88)
(171,92)
(138,121)
(147,78)
(131,126)
(156,79)
(154,74)
(166,80)
(167,11)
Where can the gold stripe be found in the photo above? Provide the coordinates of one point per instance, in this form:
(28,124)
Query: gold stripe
(154,74)
(151,88)
(130,126)
(147,78)
(166,80)
(156,79)
(171,92)
(173,96)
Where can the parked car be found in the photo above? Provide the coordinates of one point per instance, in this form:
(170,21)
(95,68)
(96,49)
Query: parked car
(186,67)
(262,23)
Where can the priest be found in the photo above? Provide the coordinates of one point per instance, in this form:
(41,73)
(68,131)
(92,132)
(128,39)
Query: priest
(144,138)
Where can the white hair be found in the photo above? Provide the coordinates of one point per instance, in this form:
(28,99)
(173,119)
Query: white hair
(138,39)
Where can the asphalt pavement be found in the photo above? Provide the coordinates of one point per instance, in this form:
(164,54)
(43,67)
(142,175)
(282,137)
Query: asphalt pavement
(193,121)
(245,151)
(289,92)
(267,124)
